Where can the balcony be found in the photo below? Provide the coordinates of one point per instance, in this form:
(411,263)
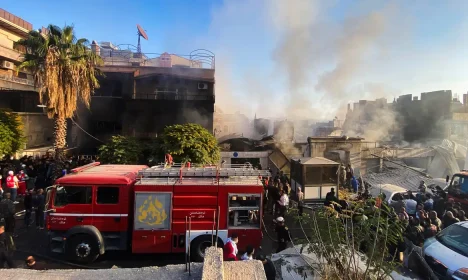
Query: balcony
(176,96)
(11,54)
(16,83)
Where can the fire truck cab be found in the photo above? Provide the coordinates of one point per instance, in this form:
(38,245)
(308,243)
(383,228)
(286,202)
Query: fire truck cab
(99,208)
(458,189)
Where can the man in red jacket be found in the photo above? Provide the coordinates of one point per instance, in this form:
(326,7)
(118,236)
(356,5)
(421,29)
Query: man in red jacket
(230,248)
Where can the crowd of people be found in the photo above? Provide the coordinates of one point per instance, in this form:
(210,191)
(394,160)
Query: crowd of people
(425,214)
(24,181)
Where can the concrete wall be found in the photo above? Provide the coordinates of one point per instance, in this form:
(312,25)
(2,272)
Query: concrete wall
(38,129)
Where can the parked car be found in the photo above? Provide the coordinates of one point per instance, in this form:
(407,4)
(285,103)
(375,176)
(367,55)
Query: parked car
(447,252)
(390,191)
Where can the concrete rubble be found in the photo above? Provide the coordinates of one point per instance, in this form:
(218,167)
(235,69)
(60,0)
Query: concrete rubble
(170,272)
(215,269)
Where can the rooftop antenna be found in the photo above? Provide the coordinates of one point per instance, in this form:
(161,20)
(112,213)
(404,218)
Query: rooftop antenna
(141,33)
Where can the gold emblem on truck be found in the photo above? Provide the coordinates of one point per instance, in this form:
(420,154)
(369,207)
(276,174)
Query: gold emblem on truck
(151,212)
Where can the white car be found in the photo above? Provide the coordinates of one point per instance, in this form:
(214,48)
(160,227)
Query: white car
(447,252)
(390,191)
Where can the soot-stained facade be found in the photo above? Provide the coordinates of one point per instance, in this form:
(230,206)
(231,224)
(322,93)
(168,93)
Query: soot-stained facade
(140,99)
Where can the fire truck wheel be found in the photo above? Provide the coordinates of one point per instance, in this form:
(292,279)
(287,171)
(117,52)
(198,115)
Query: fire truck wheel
(199,245)
(82,248)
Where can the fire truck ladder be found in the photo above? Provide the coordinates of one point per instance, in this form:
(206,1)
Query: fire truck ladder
(206,172)
(188,230)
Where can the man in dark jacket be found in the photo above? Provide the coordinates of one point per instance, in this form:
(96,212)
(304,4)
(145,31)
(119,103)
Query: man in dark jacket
(7,212)
(7,247)
(39,204)
(28,207)
(268,266)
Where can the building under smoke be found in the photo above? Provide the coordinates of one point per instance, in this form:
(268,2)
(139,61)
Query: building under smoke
(407,118)
(141,94)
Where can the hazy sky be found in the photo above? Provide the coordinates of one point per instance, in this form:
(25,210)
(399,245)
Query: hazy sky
(300,58)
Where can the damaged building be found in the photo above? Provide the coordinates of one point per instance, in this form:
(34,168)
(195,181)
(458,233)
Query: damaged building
(141,94)
(408,118)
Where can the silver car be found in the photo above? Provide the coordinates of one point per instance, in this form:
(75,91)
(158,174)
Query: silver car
(447,252)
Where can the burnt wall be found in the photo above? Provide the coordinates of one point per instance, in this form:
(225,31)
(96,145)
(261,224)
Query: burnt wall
(152,116)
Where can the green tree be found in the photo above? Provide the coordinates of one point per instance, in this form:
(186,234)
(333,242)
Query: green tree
(64,70)
(120,150)
(190,142)
(11,133)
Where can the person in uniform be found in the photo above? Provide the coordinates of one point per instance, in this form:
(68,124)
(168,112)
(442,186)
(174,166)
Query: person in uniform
(282,232)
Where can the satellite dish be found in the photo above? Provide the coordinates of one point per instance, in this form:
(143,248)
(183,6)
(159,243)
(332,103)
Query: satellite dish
(141,33)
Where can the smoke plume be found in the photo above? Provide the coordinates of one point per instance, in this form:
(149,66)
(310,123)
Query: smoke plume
(314,60)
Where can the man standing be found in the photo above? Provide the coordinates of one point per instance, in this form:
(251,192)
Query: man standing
(39,204)
(7,247)
(32,174)
(28,207)
(283,203)
(12,185)
(268,266)
(282,232)
(7,212)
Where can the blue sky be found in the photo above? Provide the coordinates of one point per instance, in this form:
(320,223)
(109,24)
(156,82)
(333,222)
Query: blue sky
(298,57)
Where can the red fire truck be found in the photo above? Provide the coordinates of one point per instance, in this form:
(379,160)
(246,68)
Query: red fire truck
(99,208)
(458,189)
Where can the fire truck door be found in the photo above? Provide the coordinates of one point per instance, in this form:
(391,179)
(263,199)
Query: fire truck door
(152,222)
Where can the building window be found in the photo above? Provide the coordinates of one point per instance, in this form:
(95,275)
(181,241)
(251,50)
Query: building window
(108,195)
(313,175)
(72,195)
(244,210)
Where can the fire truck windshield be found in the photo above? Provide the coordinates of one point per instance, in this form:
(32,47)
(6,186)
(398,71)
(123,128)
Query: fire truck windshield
(72,195)
(244,210)
(459,184)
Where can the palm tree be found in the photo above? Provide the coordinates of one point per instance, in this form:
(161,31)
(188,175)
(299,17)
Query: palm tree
(65,71)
